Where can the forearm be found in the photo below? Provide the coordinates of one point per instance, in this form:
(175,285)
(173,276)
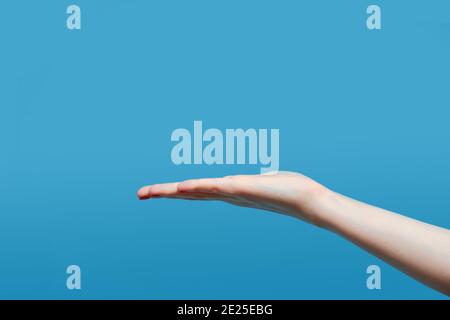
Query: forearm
(419,249)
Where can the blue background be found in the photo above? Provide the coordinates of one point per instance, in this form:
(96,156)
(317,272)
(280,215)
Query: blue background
(86,118)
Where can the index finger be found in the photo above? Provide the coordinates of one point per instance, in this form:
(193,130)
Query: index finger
(158,190)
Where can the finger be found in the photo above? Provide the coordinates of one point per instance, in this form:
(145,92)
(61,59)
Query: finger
(158,190)
(195,196)
(215,186)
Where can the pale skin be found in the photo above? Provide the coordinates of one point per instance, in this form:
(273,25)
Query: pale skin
(419,249)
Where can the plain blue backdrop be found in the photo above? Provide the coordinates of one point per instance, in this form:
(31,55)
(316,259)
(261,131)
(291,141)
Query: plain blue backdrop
(86,118)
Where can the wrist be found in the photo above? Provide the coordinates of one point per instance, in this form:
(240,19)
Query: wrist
(317,206)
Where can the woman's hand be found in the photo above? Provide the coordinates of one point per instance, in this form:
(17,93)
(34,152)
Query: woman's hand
(417,248)
(285,192)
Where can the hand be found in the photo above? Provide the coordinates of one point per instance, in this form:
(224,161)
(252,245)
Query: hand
(284,192)
(419,249)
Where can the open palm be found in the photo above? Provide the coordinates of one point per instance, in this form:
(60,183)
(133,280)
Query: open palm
(285,192)
(419,249)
